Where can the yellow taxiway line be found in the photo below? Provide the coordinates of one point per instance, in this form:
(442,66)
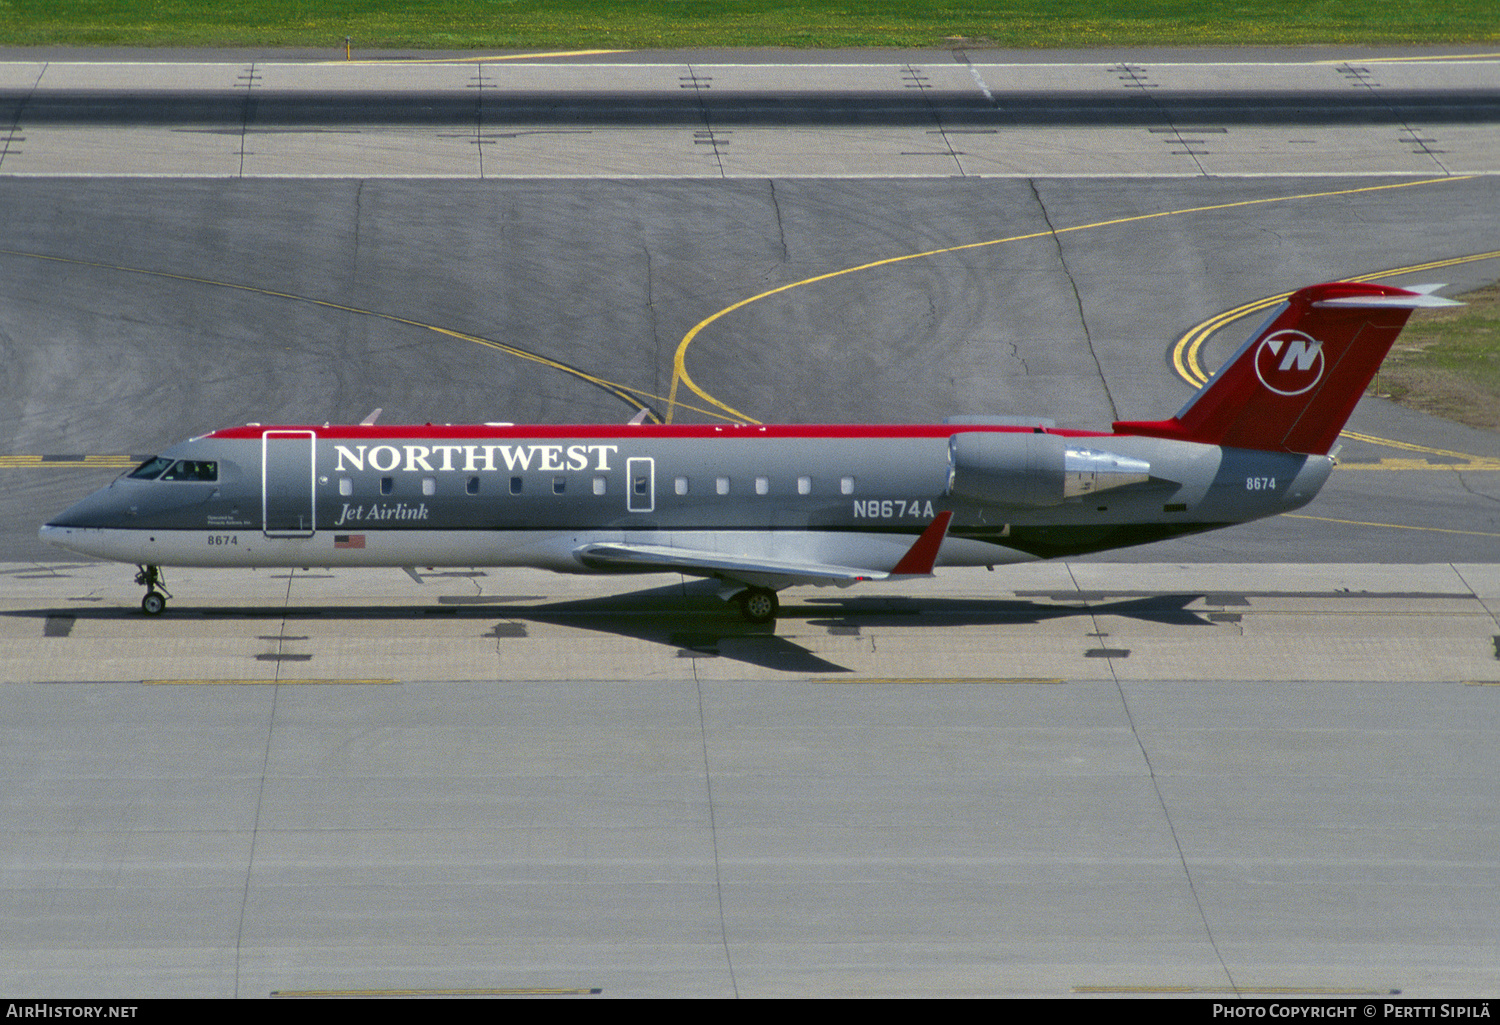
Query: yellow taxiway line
(680,373)
(635,397)
(478,60)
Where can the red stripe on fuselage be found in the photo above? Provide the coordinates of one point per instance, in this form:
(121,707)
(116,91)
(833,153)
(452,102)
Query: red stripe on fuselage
(643,431)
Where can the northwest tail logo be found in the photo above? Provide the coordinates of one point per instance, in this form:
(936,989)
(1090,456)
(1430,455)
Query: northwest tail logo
(1289,362)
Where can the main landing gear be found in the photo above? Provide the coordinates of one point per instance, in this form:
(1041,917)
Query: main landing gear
(758,604)
(150,577)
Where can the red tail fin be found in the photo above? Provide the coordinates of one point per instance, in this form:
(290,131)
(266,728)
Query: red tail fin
(1292,386)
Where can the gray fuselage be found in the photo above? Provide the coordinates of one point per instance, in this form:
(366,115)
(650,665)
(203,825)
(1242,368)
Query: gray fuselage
(499,495)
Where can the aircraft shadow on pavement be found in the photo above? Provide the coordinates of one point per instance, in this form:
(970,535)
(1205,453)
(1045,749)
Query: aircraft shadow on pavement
(692,620)
(703,626)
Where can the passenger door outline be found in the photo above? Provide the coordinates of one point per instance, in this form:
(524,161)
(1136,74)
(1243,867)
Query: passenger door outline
(640,484)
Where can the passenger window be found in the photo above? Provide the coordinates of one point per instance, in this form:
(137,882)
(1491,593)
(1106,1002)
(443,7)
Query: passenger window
(721,486)
(762,486)
(598,485)
(515,485)
(642,485)
(346,487)
(559,485)
(846,485)
(387,485)
(471,485)
(804,485)
(680,485)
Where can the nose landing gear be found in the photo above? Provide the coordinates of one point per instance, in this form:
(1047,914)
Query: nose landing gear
(150,577)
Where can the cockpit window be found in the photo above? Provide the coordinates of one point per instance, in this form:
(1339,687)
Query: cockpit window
(150,469)
(192,469)
(157,468)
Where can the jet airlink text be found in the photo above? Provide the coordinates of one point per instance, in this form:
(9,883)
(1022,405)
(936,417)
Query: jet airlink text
(380,513)
(475,458)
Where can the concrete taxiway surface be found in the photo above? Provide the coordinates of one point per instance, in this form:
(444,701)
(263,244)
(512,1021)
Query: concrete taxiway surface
(1257,759)
(1211,779)
(935,114)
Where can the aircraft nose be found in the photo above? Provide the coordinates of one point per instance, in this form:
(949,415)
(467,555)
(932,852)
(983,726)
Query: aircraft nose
(93,511)
(118,504)
(80,526)
(69,538)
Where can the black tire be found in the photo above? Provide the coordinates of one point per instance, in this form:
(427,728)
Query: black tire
(759,604)
(153,603)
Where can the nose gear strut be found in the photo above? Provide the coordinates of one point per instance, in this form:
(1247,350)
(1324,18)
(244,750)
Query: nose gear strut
(151,578)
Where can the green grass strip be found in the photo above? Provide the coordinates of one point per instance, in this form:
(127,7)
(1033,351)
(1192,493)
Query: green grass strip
(652,24)
(1447,361)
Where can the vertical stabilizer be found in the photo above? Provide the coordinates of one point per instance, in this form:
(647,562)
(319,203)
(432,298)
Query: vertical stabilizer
(1292,386)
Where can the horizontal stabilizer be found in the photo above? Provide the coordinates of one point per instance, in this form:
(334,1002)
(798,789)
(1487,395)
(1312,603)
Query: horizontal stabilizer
(1421,299)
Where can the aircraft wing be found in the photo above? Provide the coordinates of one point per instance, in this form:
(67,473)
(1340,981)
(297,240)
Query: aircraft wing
(631,556)
(627,555)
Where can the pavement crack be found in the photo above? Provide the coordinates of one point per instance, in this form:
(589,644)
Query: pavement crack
(359,195)
(1161,800)
(1135,77)
(15,123)
(281,637)
(700,85)
(1360,78)
(1468,486)
(1015,353)
(260,797)
(247,112)
(780,227)
(918,81)
(713,832)
(479,140)
(1494,613)
(1062,260)
(653,323)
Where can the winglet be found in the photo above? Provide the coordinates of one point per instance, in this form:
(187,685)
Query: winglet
(922,556)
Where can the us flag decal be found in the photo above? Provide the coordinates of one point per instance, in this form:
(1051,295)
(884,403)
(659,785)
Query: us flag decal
(348,540)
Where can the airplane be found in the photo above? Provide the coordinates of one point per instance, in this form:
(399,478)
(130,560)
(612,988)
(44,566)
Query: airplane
(759,508)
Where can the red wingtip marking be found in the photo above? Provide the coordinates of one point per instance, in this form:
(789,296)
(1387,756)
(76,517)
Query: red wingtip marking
(920,558)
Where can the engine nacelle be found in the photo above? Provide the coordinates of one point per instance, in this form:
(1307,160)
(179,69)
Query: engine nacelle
(1034,469)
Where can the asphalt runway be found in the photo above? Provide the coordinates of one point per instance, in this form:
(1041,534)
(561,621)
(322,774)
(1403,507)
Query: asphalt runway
(1258,759)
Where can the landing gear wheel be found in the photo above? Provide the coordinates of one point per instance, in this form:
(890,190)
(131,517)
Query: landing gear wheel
(150,578)
(758,604)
